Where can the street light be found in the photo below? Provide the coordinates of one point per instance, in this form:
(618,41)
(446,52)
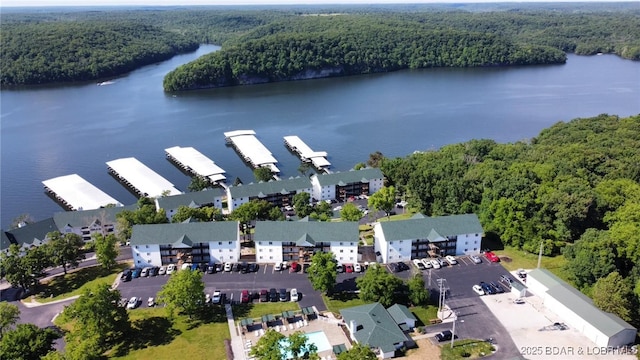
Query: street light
(453,332)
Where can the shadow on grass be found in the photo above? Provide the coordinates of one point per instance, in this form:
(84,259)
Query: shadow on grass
(241,310)
(206,315)
(492,241)
(75,279)
(153,331)
(344,296)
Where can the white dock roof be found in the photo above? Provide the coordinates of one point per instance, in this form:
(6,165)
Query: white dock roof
(78,193)
(197,162)
(143,179)
(251,148)
(318,158)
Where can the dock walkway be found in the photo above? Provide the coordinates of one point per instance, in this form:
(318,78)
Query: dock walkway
(251,149)
(317,158)
(76,193)
(140,178)
(195,163)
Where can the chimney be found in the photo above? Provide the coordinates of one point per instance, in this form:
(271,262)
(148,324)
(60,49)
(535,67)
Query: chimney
(352,328)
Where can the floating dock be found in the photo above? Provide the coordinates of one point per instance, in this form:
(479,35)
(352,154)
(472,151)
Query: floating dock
(76,193)
(317,158)
(142,180)
(195,163)
(251,149)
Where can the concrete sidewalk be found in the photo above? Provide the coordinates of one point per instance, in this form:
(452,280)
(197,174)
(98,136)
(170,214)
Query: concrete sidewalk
(236,339)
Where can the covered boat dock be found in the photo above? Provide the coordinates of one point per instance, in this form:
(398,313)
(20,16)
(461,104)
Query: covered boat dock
(195,163)
(76,193)
(251,149)
(141,179)
(317,158)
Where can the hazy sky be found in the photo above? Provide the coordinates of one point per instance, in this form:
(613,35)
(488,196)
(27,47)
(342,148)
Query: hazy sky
(237,2)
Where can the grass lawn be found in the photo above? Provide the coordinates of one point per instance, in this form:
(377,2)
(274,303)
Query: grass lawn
(521,259)
(339,301)
(255,311)
(404,216)
(469,349)
(64,286)
(424,314)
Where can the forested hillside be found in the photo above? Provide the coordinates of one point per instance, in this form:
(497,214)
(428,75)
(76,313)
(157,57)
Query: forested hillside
(575,187)
(37,53)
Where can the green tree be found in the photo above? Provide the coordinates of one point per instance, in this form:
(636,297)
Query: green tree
(322,271)
(322,211)
(65,250)
(9,315)
(268,346)
(358,352)
(301,203)
(614,294)
(184,292)
(24,271)
(304,168)
(106,250)
(300,347)
(375,159)
(418,294)
(263,173)
(255,210)
(383,199)
(99,323)
(198,183)
(377,285)
(350,212)
(204,214)
(27,342)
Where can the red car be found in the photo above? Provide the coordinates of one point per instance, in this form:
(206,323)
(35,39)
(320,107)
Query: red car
(491,256)
(295,267)
(348,268)
(244,296)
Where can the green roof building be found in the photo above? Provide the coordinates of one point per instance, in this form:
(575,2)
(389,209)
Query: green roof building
(33,234)
(87,222)
(279,193)
(343,185)
(206,198)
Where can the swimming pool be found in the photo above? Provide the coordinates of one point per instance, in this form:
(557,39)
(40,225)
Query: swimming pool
(319,338)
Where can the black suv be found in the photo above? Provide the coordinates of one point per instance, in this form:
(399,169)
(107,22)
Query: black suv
(273,295)
(211,269)
(444,336)
(252,267)
(244,268)
(283,294)
(126,276)
(402,266)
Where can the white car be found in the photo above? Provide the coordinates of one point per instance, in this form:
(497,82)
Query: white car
(277,266)
(475,259)
(518,301)
(285,265)
(171,269)
(151,302)
(418,264)
(227,267)
(133,303)
(435,263)
(337,208)
(294,294)
(162,270)
(217,297)
(451,260)
(478,289)
(145,272)
(427,264)
(357,268)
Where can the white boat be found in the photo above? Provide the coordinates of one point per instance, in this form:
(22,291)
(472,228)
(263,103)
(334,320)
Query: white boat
(106,83)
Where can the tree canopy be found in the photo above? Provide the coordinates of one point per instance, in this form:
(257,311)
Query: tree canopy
(27,342)
(383,199)
(9,315)
(106,250)
(184,292)
(65,250)
(350,212)
(378,285)
(322,271)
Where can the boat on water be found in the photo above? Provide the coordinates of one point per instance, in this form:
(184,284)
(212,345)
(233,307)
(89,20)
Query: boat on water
(106,83)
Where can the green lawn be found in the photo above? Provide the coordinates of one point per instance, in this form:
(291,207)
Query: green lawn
(255,311)
(402,216)
(424,314)
(339,301)
(64,286)
(520,259)
(469,349)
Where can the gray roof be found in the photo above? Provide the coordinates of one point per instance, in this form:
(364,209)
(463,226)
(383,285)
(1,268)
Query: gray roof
(184,234)
(400,313)
(78,219)
(31,232)
(374,326)
(432,228)
(197,199)
(579,303)
(350,177)
(263,189)
(306,233)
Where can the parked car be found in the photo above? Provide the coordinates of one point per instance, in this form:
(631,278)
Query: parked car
(451,260)
(126,276)
(133,303)
(506,279)
(442,262)
(357,267)
(491,256)
(244,296)
(305,267)
(444,336)
(203,267)
(207,298)
(185,266)
(348,268)
(194,267)
(518,301)
(228,266)
(211,269)
(475,259)
(154,271)
(478,289)
(497,287)
(162,270)
(418,264)
(283,295)
(273,295)
(285,265)
(216,298)
(295,267)
(339,268)
(244,268)
(487,288)
(151,302)
(521,273)
(435,263)
(252,267)
(426,263)
(294,294)
(277,266)
(136,273)
(171,268)
(237,267)
(144,272)
(393,267)
(264,295)
(402,266)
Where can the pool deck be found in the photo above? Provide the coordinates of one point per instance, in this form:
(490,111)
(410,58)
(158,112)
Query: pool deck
(328,324)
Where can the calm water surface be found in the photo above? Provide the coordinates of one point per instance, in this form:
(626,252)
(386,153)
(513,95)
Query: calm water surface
(54,131)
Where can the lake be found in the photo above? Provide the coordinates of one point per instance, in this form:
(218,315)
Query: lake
(59,130)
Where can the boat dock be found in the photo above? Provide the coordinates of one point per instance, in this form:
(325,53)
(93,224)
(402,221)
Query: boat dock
(317,158)
(76,193)
(251,149)
(195,163)
(142,180)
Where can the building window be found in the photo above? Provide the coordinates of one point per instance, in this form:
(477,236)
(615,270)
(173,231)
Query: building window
(270,257)
(270,242)
(138,261)
(351,243)
(219,250)
(270,250)
(136,246)
(259,242)
(341,250)
(400,250)
(466,243)
(146,246)
(465,250)
(351,251)
(340,243)
(400,241)
(474,249)
(260,257)
(231,257)
(147,254)
(219,242)
(229,242)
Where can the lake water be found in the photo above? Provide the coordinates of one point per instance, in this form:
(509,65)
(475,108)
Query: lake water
(59,130)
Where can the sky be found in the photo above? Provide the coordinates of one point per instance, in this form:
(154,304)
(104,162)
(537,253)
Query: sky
(41,3)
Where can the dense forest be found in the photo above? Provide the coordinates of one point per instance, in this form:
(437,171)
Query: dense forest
(77,44)
(575,188)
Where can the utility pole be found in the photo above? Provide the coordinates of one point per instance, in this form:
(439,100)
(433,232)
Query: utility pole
(453,332)
(442,293)
(540,254)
